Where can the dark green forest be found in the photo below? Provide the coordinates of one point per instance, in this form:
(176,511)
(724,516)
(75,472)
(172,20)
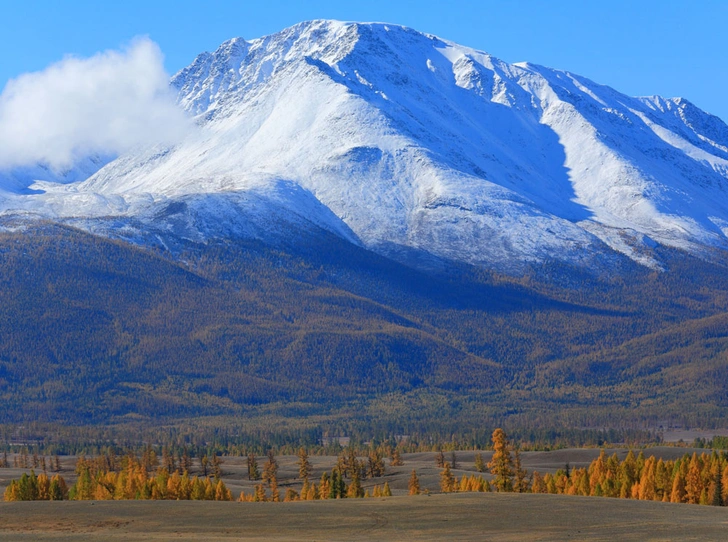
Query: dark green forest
(237,334)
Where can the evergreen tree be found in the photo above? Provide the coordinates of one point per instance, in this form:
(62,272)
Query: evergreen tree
(334,485)
(678,488)
(204,462)
(662,480)
(186,460)
(12,492)
(270,469)
(83,489)
(479,463)
(396,460)
(440,460)
(538,485)
(414,484)
(693,481)
(291,495)
(324,488)
(447,480)
(198,489)
(376,465)
(216,467)
(352,462)
(304,465)
(520,484)
(716,488)
(253,472)
(355,490)
(260,495)
(501,464)
(648,481)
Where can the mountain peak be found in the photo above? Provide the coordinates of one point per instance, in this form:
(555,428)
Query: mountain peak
(403,142)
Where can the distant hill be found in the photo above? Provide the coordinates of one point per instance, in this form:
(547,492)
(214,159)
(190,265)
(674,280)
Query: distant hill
(99,331)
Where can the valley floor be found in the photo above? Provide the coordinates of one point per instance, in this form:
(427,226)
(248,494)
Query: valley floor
(473,516)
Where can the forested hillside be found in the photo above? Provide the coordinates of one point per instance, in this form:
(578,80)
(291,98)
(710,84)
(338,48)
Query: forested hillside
(96,331)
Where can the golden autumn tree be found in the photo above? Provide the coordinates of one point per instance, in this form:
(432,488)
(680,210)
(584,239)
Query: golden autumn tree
(693,480)
(304,465)
(447,480)
(414,484)
(270,469)
(501,464)
(396,458)
(479,463)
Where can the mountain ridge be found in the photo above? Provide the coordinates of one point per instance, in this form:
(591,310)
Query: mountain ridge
(402,141)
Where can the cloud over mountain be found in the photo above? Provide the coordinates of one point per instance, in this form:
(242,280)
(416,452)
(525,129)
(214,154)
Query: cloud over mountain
(105,104)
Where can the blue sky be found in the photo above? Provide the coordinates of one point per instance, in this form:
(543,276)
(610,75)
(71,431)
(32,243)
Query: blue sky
(640,47)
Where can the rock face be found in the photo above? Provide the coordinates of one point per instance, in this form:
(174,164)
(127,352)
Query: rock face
(402,141)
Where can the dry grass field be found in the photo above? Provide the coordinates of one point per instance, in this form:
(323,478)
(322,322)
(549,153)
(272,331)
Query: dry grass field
(473,516)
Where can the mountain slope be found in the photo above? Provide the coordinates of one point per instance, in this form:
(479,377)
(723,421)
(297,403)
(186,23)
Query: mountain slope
(326,333)
(404,142)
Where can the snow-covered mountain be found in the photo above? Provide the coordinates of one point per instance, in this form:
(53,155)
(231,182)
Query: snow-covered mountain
(399,141)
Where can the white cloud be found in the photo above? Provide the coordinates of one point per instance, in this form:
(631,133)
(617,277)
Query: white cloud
(105,104)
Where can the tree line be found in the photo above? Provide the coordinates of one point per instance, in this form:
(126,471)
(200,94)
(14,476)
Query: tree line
(693,479)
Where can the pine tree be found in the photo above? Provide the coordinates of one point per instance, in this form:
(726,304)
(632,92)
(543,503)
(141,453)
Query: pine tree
(352,462)
(12,492)
(334,484)
(198,490)
(501,464)
(270,469)
(453,460)
(216,467)
(58,489)
(693,481)
(204,462)
(479,463)
(716,488)
(396,458)
(376,465)
(291,495)
(253,472)
(324,488)
(260,495)
(304,465)
(186,460)
(520,484)
(440,460)
(662,480)
(83,488)
(648,485)
(538,485)
(414,484)
(386,491)
(678,488)
(355,490)
(447,480)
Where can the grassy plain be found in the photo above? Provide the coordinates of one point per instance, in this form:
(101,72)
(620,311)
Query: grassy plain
(471,516)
